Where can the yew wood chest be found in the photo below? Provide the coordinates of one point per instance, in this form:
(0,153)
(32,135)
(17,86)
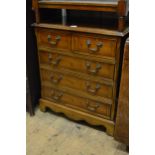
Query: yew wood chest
(79,69)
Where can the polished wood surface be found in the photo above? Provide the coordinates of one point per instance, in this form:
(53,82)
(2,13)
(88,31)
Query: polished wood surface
(79,66)
(94,45)
(94,107)
(78,93)
(56,60)
(35,7)
(100,5)
(96,30)
(81,2)
(54,39)
(85,82)
(80,75)
(122,119)
(66,80)
(78,115)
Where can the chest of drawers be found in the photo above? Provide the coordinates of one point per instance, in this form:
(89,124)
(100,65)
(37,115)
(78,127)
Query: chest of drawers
(79,67)
(79,74)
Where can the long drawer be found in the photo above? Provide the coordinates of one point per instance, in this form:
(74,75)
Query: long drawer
(96,108)
(93,88)
(56,60)
(94,45)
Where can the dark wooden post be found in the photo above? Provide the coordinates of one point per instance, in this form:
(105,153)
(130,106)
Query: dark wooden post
(121,14)
(32,65)
(36,9)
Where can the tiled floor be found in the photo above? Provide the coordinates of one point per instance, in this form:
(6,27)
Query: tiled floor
(51,134)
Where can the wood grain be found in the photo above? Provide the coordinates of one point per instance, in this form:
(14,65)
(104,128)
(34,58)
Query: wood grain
(73,61)
(76,64)
(122,119)
(79,75)
(108,47)
(79,115)
(80,5)
(102,31)
(63,43)
(35,7)
(83,104)
(77,83)
(77,93)
(72,53)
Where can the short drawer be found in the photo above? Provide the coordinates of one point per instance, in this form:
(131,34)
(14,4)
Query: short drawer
(83,104)
(93,88)
(60,40)
(94,45)
(56,60)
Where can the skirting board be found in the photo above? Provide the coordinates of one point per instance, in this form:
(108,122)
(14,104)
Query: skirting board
(77,115)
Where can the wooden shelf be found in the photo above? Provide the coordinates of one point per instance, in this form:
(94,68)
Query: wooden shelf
(82,2)
(99,5)
(119,7)
(83,29)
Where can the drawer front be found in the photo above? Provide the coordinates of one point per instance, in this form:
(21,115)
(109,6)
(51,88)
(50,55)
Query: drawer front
(93,88)
(86,105)
(54,39)
(92,45)
(77,64)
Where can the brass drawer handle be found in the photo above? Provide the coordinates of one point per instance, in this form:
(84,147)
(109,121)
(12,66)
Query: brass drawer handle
(57,39)
(92,107)
(93,71)
(91,90)
(54,61)
(94,50)
(56,96)
(54,80)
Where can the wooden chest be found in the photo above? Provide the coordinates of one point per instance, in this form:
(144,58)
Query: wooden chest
(79,49)
(79,73)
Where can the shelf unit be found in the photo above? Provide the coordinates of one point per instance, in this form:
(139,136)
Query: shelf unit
(120,7)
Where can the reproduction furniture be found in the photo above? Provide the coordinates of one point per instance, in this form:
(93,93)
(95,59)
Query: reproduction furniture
(79,57)
(122,118)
